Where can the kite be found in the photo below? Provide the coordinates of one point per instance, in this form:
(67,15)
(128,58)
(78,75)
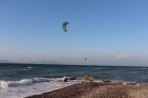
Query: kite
(64,25)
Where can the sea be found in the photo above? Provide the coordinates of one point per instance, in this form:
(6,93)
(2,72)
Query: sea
(21,80)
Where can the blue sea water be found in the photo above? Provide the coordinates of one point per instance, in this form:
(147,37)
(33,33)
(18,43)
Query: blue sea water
(14,72)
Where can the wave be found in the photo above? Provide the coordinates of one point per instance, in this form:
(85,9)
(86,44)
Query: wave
(30,67)
(142,68)
(27,68)
(23,82)
(98,68)
(38,86)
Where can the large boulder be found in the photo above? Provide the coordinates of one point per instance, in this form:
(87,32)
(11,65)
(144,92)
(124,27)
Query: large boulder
(64,79)
(88,79)
(72,78)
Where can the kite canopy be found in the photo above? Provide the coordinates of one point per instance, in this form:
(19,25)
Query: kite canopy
(64,25)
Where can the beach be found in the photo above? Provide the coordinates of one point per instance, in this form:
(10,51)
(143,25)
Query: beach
(74,49)
(98,90)
(22,80)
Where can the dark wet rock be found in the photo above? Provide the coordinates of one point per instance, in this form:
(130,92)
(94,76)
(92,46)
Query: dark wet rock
(72,78)
(64,79)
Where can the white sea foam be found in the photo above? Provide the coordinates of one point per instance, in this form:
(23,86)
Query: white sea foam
(24,69)
(3,84)
(30,67)
(27,87)
(23,82)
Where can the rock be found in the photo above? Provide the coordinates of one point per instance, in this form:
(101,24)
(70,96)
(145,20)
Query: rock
(103,81)
(72,78)
(106,81)
(64,79)
(59,80)
(119,83)
(88,79)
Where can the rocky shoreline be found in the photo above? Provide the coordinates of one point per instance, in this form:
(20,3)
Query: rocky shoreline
(100,89)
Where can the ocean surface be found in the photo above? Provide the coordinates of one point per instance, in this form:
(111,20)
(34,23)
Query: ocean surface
(20,80)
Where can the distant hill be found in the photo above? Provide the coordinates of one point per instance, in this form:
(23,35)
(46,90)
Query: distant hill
(5,61)
(41,62)
(45,62)
(49,62)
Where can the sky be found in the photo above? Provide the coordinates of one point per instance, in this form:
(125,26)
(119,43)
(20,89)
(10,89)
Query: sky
(106,32)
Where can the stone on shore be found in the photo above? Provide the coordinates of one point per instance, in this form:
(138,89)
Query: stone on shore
(103,81)
(88,79)
(65,78)
(72,78)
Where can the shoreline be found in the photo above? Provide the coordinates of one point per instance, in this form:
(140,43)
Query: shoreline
(98,90)
(70,87)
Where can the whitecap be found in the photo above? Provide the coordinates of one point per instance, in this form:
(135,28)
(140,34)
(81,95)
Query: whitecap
(38,86)
(30,67)
(23,82)
(3,84)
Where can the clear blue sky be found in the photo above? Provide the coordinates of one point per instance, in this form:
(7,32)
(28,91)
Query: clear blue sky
(108,32)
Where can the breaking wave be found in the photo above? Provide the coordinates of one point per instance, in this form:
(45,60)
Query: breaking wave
(23,82)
